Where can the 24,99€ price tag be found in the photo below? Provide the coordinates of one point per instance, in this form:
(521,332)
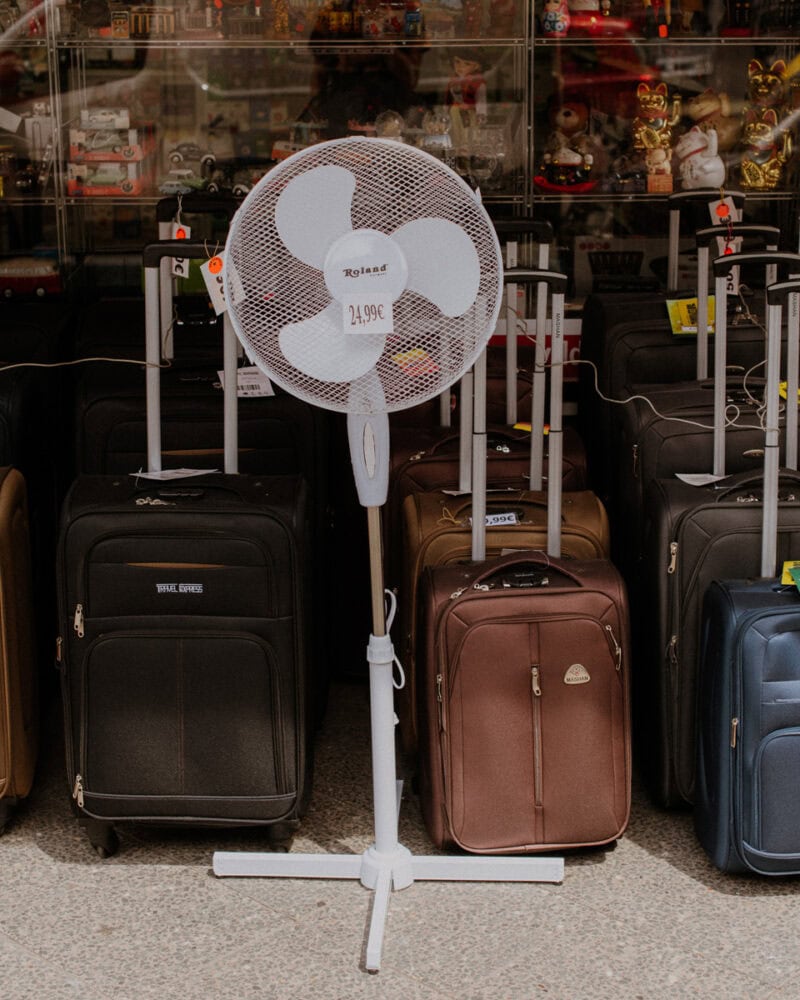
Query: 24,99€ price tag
(367,312)
(213,275)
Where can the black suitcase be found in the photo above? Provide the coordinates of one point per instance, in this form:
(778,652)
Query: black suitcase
(185,617)
(630,346)
(747,807)
(691,536)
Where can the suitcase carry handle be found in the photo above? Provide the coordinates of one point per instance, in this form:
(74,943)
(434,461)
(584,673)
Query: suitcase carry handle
(529,558)
(539,230)
(786,476)
(152,255)
(770,234)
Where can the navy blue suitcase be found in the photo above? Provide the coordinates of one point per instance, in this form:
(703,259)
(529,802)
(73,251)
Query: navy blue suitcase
(747,806)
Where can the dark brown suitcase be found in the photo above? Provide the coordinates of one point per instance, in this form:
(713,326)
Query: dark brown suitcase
(523,689)
(19,712)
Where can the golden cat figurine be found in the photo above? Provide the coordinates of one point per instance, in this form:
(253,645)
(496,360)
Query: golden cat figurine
(655,120)
(766,150)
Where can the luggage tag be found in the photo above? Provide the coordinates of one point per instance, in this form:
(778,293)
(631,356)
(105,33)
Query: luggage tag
(180,231)
(213,272)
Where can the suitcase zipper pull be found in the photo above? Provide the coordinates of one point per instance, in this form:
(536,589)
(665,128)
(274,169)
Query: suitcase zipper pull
(636,461)
(734,730)
(535,674)
(673,557)
(616,646)
(77,790)
(77,623)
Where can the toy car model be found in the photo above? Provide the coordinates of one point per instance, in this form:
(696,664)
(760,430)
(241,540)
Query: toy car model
(182,181)
(37,276)
(109,175)
(192,152)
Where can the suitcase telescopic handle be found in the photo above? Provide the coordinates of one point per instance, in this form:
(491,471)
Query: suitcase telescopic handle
(537,230)
(779,259)
(152,255)
(769,234)
(528,558)
(700,195)
(196,204)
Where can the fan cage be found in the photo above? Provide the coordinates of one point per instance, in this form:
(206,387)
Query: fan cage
(268,288)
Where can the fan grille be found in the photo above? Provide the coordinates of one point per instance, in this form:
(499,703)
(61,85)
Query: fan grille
(268,288)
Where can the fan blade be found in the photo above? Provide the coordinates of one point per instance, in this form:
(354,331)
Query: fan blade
(314,211)
(443,263)
(320,349)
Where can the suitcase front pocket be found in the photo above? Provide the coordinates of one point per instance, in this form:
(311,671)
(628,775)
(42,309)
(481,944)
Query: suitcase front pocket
(536,734)
(176,724)
(775,844)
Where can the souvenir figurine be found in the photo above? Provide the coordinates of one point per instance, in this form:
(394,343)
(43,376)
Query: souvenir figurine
(555,18)
(766,85)
(466,89)
(766,149)
(655,119)
(699,162)
(711,109)
(658,163)
(436,133)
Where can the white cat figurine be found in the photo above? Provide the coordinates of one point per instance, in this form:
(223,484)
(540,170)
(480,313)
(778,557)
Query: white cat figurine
(699,163)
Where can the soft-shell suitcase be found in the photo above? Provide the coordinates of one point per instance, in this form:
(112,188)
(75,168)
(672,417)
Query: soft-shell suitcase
(747,807)
(185,646)
(19,703)
(692,535)
(523,687)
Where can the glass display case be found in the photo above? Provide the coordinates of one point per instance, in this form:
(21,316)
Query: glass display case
(632,102)
(586,113)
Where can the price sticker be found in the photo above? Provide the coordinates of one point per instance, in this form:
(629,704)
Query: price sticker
(180,265)
(368,312)
(724,211)
(500,520)
(250,381)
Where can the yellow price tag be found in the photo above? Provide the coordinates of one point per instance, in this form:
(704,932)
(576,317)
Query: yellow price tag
(786,576)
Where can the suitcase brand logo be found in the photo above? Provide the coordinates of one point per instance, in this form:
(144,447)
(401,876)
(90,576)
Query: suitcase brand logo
(179,588)
(577,674)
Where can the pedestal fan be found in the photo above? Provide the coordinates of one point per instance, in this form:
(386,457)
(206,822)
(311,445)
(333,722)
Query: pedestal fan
(364,276)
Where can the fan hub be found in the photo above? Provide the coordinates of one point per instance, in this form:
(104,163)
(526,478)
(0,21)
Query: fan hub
(365,261)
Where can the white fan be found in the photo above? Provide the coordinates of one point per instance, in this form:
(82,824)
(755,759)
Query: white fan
(364,276)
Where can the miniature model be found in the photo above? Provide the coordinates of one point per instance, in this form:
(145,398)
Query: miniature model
(699,162)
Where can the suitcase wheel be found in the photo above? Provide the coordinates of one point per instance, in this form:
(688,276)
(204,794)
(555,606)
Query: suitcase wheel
(102,837)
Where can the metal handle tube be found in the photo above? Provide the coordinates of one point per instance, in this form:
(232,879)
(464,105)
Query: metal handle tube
(720,364)
(555,438)
(479,460)
(230,396)
(769,533)
(152,370)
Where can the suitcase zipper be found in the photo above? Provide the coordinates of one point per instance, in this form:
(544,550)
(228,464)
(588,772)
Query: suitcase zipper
(77,791)
(537,742)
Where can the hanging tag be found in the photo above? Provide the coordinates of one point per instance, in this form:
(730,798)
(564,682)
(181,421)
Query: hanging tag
(367,312)
(250,381)
(213,271)
(180,265)
(723,211)
(725,247)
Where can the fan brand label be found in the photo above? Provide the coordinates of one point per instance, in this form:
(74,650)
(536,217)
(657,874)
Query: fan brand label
(356,272)
(368,312)
(179,588)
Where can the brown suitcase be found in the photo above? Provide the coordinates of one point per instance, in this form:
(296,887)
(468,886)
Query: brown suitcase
(523,688)
(19,705)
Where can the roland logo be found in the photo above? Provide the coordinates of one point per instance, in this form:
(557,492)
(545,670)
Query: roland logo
(179,588)
(356,272)
(577,674)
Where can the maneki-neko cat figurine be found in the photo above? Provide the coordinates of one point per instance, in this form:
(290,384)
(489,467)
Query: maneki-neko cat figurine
(766,150)
(656,117)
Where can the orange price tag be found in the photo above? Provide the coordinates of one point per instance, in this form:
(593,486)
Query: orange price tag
(215,265)
(180,233)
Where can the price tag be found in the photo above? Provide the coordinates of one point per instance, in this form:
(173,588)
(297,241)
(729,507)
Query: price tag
(724,211)
(180,265)
(250,381)
(213,271)
(368,312)
(500,520)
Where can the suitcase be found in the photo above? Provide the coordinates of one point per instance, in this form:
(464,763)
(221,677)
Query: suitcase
(19,675)
(185,613)
(691,536)
(523,689)
(747,808)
